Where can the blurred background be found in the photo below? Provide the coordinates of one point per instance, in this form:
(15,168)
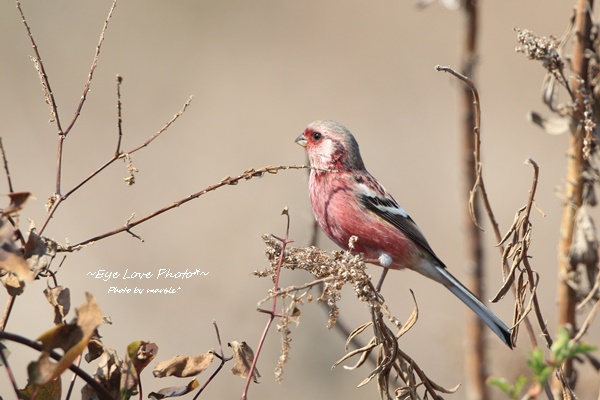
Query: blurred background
(261,71)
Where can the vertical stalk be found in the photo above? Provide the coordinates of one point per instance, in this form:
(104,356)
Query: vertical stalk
(574,175)
(476,355)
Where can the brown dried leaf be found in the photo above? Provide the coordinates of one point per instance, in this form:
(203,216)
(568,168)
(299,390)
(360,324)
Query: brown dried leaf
(17,200)
(49,391)
(13,285)
(141,354)
(59,298)
(414,316)
(108,373)
(39,252)
(71,338)
(357,332)
(95,348)
(183,366)
(244,356)
(552,125)
(10,259)
(365,351)
(442,389)
(174,391)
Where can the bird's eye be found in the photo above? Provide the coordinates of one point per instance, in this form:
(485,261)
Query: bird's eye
(316,135)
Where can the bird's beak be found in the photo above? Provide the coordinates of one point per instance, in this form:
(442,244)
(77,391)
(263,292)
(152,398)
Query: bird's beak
(301,140)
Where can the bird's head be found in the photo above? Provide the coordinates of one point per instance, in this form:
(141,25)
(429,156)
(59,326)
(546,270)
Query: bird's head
(330,146)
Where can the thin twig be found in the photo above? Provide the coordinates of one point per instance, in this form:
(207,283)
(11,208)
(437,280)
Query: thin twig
(73,379)
(11,377)
(220,356)
(273,312)
(7,310)
(43,76)
(247,175)
(5,162)
(119,117)
(86,88)
(115,157)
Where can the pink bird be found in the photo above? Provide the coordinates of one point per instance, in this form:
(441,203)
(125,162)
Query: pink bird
(348,201)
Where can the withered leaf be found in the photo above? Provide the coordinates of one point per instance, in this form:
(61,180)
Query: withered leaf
(414,316)
(174,391)
(108,374)
(364,352)
(95,348)
(39,251)
(183,366)
(49,391)
(552,125)
(10,259)
(244,356)
(17,200)
(357,332)
(141,354)
(13,285)
(71,338)
(442,389)
(59,298)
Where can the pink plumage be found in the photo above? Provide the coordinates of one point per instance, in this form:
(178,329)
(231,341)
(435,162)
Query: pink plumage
(348,201)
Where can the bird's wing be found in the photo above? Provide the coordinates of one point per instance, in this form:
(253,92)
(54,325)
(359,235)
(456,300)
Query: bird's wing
(379,202)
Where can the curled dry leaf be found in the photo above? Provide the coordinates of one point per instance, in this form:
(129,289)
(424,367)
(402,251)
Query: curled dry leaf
(13,285)
(141,353)
(244,356)
(174,391)
(552,125)
(17,200)
(95,348)
(59,298)
(71,338)
(50,391)
(183,366)
(108,374)
(39,252)
(10,259)
(414,316)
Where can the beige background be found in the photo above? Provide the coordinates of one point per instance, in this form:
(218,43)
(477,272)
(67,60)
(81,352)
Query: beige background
(260,71)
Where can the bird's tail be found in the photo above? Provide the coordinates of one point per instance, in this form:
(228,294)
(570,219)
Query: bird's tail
(487,316)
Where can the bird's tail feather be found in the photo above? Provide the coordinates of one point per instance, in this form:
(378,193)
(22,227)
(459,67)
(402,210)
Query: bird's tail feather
(486,315)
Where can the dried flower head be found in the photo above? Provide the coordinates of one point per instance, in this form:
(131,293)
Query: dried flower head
(544,49)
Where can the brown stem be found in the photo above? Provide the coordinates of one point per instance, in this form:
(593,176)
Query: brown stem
(574,176)
(476,353)
(5,162)
(273,312)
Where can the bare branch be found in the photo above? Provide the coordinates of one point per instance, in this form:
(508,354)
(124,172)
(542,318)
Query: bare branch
(86,87)
(42,71)
(5,163)
(227,181)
